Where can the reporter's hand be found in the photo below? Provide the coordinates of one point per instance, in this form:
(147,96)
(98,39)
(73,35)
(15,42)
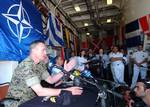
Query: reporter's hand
(75,90)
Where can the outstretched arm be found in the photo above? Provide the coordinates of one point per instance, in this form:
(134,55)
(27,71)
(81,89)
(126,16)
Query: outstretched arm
(40,91)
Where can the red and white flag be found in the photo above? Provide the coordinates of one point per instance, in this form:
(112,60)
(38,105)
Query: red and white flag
(144,23)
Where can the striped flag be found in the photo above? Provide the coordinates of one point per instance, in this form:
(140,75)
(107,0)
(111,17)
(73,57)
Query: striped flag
(132,33)
(144,23)
(54,31)
(135,30)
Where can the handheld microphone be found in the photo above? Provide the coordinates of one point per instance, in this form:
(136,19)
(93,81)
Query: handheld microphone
(86,73)
(45,98)
(75,78)
(75,74)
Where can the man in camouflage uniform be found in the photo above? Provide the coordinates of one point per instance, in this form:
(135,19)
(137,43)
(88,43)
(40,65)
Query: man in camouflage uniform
(25,83)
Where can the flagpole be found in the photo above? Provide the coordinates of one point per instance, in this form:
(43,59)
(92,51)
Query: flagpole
(62,53)
(67,37)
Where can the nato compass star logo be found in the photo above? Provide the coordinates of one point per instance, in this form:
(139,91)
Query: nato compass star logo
(18,21)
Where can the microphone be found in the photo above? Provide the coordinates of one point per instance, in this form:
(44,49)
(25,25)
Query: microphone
(86,73)
(94,61)
(102,89)
(77,82)
(76,73)
(46,98)
(75,78)
(115,94)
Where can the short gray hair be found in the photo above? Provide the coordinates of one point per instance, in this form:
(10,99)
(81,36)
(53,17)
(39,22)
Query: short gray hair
(35,43)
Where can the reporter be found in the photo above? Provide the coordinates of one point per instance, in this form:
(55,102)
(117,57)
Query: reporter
(142,91)
(25,83)
(57,68)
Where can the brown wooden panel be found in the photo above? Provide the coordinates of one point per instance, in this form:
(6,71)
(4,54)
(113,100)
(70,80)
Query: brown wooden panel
(3,90)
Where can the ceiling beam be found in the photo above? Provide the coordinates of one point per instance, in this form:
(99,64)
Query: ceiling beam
(86,12)
(63,13)
(85,18)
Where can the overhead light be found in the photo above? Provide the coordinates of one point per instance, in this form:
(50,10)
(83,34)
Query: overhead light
(87,33)
(108,20)
(86,24)
(109,2)
(77,8)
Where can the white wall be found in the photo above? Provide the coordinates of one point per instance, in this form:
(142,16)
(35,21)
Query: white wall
(6,70)
(135,9)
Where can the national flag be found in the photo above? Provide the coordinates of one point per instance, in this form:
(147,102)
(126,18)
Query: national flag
(133,34)
(144,23)
(20,25)
(54,31)
(135,30)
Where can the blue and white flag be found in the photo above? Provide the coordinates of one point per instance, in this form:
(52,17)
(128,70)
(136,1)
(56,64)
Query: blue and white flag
(20,24)
(54,31)
(133,34)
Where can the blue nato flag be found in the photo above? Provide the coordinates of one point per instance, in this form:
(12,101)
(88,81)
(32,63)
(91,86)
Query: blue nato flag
(20,24)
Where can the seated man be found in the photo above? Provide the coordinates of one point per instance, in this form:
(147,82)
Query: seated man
(57,68)
(25,83)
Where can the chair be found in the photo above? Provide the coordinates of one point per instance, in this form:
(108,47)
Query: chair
(3,92)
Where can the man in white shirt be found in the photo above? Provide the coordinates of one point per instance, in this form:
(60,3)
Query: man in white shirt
(117,66)
(103,63)
(81,60)
(140,65)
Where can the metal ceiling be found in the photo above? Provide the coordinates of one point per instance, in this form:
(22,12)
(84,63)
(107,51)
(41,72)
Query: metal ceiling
(93,12)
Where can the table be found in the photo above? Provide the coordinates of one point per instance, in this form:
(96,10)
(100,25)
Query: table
(87,99)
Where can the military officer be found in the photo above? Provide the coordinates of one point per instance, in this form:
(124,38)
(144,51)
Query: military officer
(117,65)
(140,65)
(103,63)
(25,83)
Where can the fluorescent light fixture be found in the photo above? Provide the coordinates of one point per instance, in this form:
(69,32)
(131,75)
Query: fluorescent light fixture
(87,33)
(108,20)
(109,2)
(77,8)
(86,24)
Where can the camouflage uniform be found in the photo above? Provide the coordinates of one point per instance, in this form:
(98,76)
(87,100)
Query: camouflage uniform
(25,75)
